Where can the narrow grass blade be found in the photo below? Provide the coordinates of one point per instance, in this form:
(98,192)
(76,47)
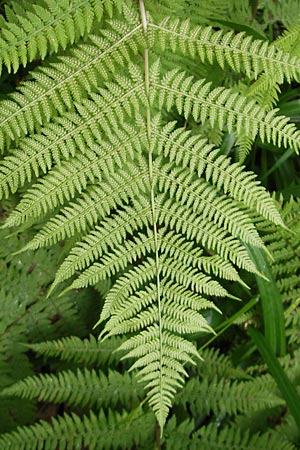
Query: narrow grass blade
(271,303)
(284,384)
(283,158)
(227,323)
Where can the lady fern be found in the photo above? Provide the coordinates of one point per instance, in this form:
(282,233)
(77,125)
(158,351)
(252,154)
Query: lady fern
(216,389)
(90,139)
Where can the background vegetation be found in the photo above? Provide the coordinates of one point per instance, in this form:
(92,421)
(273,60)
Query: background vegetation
(61,388)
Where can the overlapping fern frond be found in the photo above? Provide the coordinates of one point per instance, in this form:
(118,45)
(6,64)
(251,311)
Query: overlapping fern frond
(211,438)
(84,388)
(150,204)
(34,30)
(90,431)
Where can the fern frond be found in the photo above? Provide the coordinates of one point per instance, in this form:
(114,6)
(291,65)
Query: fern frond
(284,245)
(210,438)
(223,107)
(56,85)
(194,153)
(285,11)
(34,30)
(217,366)
(155,211)
(176,434)
(83,387)
(181,435)
(239,51)
(266,89)
(19,167)
(111,234)
(88,352)
(222,396)
(94,204)
(90,431)
(203,199)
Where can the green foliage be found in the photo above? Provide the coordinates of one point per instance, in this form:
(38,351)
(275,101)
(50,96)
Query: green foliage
(116,151)
(35,30)
(86,387)
(87,352)
(69,431)
(26,316)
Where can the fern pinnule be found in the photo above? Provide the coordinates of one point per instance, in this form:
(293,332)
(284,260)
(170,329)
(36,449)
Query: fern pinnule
(223,107)
(71,77)
(240,52)
(46,28)
(95,204)
(230,178)
(202,198)
(110,234)
(205,233)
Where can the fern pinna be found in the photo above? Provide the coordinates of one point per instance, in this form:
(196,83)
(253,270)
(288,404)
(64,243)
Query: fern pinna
(105,142)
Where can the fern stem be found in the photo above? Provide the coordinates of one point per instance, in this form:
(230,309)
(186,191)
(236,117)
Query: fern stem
(152,182)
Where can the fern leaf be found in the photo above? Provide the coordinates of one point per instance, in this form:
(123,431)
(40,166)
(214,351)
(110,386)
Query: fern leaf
(239,51)
(83,387)
(18,168)
(203,199)
(56,85)
(266,89)
(123,254)
(35,30)
(79,131)
(223,107)
(206,233)
(161,355)
(154,210)
(194,152)
(94,204)
(72,430)
(89,352)
(97,243)
(229,398)
(209,438)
